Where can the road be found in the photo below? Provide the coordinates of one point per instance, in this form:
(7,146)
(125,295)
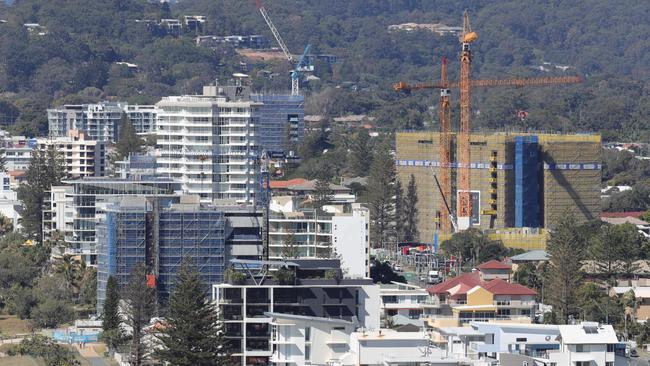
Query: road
(89,354)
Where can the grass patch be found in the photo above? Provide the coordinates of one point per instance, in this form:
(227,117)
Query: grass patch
(11,325)
(21,361)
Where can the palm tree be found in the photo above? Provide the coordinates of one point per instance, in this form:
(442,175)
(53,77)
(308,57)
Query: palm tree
(68,266)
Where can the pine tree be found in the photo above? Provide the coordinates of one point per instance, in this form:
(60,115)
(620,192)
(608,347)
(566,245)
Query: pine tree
(3,160)
(128,141)
(411,212)
(322,193)
(194,333)
(565,247)
(360,154)
(111,322)
(290,247)
(46,168)
(400,224)
(140,301)
(381,196)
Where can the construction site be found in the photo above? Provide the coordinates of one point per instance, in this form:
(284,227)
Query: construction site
(510,185)
(519,182)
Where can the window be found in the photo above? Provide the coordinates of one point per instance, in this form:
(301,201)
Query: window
(582,348)
(522,339)
(307,334)
(609,363)
(610,348)
(307,353)
(582,363)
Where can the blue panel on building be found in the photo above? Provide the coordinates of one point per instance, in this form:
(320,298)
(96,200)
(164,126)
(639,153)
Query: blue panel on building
(527,206)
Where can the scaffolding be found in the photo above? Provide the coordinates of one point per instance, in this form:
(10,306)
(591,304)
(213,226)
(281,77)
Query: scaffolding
(160,237)
(518,180)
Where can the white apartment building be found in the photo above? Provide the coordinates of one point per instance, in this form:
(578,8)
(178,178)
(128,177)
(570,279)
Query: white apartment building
(321,235)
(57,213)
(82,156)
(143,117)
(100,121)
(208,144)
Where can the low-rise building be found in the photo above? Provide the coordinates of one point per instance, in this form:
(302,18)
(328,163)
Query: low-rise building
(311,291)
(588,344)
(406,300)
(468,298)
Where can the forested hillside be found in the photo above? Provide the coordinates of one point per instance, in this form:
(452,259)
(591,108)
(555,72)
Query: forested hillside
(605,42)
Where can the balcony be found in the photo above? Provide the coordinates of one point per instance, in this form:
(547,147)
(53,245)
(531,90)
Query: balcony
(515,303)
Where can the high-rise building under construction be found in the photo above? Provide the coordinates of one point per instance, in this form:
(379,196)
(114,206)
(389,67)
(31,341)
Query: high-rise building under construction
(518,180)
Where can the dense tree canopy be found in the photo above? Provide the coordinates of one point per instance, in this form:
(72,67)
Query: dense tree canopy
(72,59)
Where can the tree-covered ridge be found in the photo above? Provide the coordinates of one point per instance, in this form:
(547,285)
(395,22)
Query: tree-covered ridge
(603,41)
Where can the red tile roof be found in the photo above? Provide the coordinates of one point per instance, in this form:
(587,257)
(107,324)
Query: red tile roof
(467,281)
(494,264)
(275,184)
(500,287)
(471,279)
(636,214)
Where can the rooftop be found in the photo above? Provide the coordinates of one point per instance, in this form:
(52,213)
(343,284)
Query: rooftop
(588,333)
(531,256)
(494,264)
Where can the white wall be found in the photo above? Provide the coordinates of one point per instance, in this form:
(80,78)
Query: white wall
(370,312)
(350,241)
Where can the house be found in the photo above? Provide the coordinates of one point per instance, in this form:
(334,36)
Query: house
(467,298)
(495,269)
(588,344)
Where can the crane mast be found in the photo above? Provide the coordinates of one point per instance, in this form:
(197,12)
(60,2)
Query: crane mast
(446,216)
(464,200)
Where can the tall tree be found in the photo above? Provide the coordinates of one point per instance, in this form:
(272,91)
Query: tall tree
(400,225)
(411,212)
(194,333)
(322,193)
(360,154)
(290,247)
(140,300)
(46,168)
(381,196)
(112,332)
(3,160)
(566,248)
(128,141)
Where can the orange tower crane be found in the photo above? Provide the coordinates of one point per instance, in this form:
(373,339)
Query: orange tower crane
(464,202)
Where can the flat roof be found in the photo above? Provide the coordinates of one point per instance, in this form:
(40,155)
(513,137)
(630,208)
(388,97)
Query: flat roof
(308,318)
